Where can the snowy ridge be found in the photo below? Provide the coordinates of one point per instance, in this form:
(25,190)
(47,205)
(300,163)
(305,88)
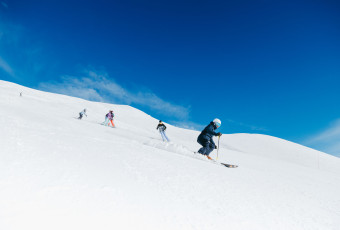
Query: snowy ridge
(57,172)
(279,149)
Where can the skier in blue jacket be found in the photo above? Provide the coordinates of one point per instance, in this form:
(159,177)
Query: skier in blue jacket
(206,138)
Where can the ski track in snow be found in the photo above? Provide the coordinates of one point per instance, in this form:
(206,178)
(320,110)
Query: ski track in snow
(58,172)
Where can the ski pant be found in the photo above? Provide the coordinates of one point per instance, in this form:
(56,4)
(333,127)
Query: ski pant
(108,121)
(164,137)
(80,116)
(113,125)
(207,148)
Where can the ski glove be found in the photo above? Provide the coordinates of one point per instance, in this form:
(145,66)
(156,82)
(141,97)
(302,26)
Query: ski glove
(215,147)
(219,134)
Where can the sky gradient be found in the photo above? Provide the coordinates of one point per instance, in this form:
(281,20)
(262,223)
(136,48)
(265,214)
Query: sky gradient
(269,67)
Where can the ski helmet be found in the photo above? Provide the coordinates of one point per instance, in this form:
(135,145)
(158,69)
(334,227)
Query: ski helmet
(217,122)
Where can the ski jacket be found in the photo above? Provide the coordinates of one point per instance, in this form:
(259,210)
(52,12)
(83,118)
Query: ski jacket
(110,116)
(161,127)
(83,112)
(208,133)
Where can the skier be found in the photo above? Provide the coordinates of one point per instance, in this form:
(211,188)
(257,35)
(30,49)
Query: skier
(161,127)
(81,114)
(206,138)
(109,119)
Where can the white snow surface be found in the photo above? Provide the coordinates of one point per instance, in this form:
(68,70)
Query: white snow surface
(58,172)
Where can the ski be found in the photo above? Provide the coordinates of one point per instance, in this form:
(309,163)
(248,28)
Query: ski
(229,165)
(225,164)
(219,163)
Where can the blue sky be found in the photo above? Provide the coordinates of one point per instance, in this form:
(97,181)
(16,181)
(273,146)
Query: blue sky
(270,67)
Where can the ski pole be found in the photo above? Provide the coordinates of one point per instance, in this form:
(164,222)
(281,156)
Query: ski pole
(218,146)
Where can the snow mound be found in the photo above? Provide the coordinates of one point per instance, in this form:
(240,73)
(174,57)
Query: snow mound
(282,150)
(169,146)
(58,172)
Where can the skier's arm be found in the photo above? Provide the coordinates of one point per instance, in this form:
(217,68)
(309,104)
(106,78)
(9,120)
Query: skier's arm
(211,131)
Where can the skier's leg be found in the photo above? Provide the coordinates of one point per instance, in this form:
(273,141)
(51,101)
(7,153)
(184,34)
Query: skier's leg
(205,148)
(209,149)
(204,143)
(106,121)
(112,123)
(201,150)
(162,134)
(166,136)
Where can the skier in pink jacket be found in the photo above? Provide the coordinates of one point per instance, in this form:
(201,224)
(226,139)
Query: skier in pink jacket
(109,119)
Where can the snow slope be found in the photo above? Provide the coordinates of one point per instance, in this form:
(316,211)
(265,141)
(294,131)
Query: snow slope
(57,172)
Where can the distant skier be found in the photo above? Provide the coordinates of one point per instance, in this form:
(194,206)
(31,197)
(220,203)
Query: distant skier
(206,138)
(161,127)
(81,114)
(109,119)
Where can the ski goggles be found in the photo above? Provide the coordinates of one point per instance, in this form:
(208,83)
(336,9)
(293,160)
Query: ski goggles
(218,124)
